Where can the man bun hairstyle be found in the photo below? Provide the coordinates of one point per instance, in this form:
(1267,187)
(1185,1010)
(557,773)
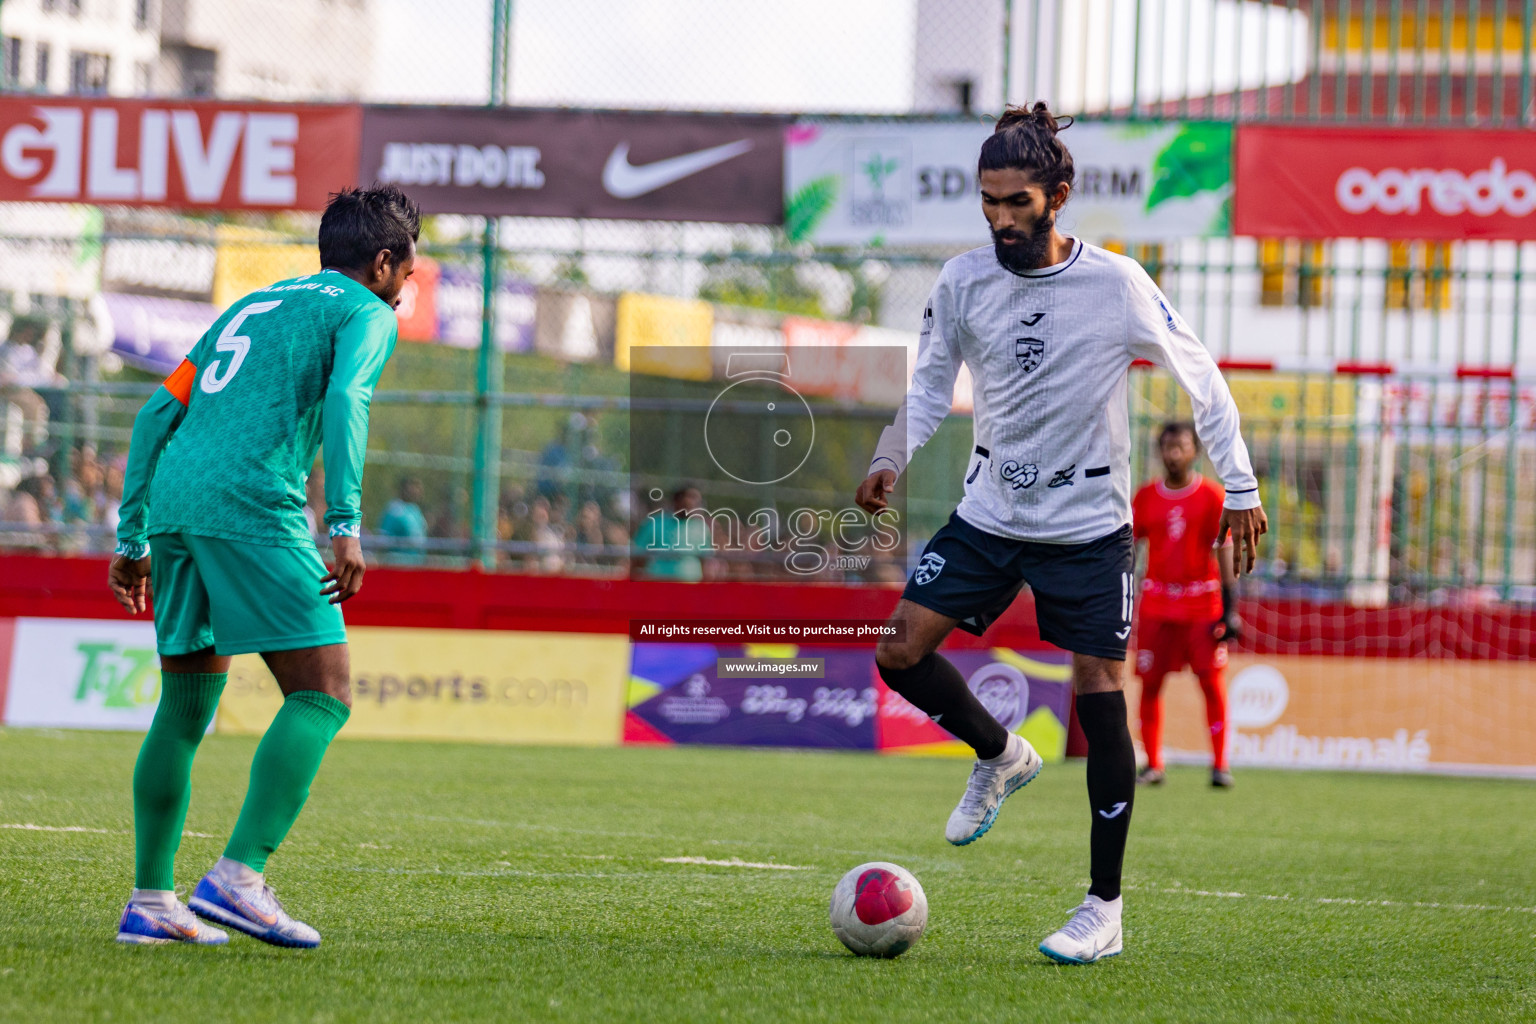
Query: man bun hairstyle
(1025,139)
(358,222)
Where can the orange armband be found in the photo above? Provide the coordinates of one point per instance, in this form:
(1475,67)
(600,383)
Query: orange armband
(179,383)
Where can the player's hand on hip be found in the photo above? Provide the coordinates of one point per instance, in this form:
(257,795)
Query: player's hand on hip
(346,577)
(129,581)
(1246,526)
(871,493)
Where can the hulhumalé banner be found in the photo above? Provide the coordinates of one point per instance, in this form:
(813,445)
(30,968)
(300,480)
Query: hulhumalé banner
(687,693)
(190,154)
(1375,714)
(888,182)
(1409,183)
(444,684)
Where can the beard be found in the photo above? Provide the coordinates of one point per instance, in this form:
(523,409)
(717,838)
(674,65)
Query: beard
(1020,251)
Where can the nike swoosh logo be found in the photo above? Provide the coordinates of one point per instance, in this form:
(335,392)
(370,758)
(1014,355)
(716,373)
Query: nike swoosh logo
(623,180)
(1114,813)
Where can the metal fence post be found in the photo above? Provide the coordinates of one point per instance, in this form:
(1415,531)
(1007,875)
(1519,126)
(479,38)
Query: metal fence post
(489,370)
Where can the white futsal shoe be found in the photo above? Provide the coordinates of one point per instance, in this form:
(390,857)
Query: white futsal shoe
(989,786)
(1092,934)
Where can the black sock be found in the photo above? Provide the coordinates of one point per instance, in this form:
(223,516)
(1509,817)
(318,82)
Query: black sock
(936,688)
(1111,786)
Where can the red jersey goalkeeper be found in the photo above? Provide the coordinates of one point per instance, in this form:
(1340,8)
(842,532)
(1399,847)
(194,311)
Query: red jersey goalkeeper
(1187,606)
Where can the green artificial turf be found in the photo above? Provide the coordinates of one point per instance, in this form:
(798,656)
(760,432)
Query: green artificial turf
(464,882)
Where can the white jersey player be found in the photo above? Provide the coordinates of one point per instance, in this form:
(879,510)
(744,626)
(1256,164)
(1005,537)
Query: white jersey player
(1049,327)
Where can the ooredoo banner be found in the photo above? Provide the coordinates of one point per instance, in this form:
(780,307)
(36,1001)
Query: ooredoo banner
(227,156)
(1446,184)
(490,686)
(560,163)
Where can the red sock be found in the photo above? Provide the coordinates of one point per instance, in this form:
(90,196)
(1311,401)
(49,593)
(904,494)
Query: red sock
(1215,691)
(1152,719)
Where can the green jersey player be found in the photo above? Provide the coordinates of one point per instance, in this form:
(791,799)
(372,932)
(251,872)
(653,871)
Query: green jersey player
(213,528)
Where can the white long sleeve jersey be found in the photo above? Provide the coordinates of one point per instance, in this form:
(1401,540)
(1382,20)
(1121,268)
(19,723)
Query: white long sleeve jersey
(1049,353)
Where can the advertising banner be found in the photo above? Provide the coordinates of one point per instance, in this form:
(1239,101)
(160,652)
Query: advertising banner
(684,693)
(663,336)
(559,163)
(458,302)
(1412,183)
(914,183)
(82,674)
(1377,714)
(181,153)
(153,334)
(491,686)
(1030,693)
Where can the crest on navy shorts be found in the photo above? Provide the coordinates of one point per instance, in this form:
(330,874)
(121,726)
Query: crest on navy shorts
(1030,352)
(928,569)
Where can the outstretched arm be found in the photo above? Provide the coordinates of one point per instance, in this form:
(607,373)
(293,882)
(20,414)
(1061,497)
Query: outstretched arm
(363,346)
(128,575)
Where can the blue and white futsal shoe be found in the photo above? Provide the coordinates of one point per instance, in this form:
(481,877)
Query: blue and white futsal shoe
(153,926)
(988,787)
(250,909)
(1092,934)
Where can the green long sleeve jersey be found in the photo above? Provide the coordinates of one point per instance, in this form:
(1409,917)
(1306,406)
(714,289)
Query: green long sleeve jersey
(224,448)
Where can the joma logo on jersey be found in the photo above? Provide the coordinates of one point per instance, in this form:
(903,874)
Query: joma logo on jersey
(1030,352)
(928,569)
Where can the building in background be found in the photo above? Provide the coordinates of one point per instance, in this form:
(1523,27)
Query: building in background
(232,49)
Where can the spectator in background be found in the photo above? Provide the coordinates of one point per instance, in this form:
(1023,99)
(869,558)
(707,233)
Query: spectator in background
(588,539)
(33,503)
(112,489)
(26,364)
(671,545)
(548,554)
(560,457)
(405,524)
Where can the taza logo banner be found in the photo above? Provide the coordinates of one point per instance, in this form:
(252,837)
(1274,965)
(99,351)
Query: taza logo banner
(83,674)
(889,182)
(1441,184)
(175,153)
(553,163)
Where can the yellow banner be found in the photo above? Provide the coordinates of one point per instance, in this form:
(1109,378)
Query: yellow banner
(657,322)
(250,258)
(492,686)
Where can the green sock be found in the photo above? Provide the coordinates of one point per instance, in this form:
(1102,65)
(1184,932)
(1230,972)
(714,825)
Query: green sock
(162,778)
(284,766)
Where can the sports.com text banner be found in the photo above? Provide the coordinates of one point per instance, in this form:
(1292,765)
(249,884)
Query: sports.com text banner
(176,153)
(1305,182)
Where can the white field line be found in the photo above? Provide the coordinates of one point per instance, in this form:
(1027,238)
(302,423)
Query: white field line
(29,827)
(1338,900)
(735,862)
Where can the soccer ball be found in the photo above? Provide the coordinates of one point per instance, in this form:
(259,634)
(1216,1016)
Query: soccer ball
(878,909)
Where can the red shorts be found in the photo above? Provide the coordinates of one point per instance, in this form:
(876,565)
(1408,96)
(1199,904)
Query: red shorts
(1163,647)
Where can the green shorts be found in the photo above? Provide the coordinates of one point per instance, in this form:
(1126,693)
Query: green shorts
(237,597)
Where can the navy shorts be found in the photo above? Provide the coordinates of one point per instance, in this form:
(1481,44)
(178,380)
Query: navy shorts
(1083,592)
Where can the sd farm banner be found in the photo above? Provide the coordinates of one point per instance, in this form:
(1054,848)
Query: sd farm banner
(914,183)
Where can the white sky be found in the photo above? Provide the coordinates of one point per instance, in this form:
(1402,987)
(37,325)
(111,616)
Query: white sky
(811,55)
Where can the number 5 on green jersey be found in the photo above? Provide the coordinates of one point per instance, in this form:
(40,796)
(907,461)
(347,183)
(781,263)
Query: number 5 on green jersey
(229,341)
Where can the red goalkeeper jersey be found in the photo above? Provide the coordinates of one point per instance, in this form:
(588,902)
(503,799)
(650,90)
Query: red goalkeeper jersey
(1183,581)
